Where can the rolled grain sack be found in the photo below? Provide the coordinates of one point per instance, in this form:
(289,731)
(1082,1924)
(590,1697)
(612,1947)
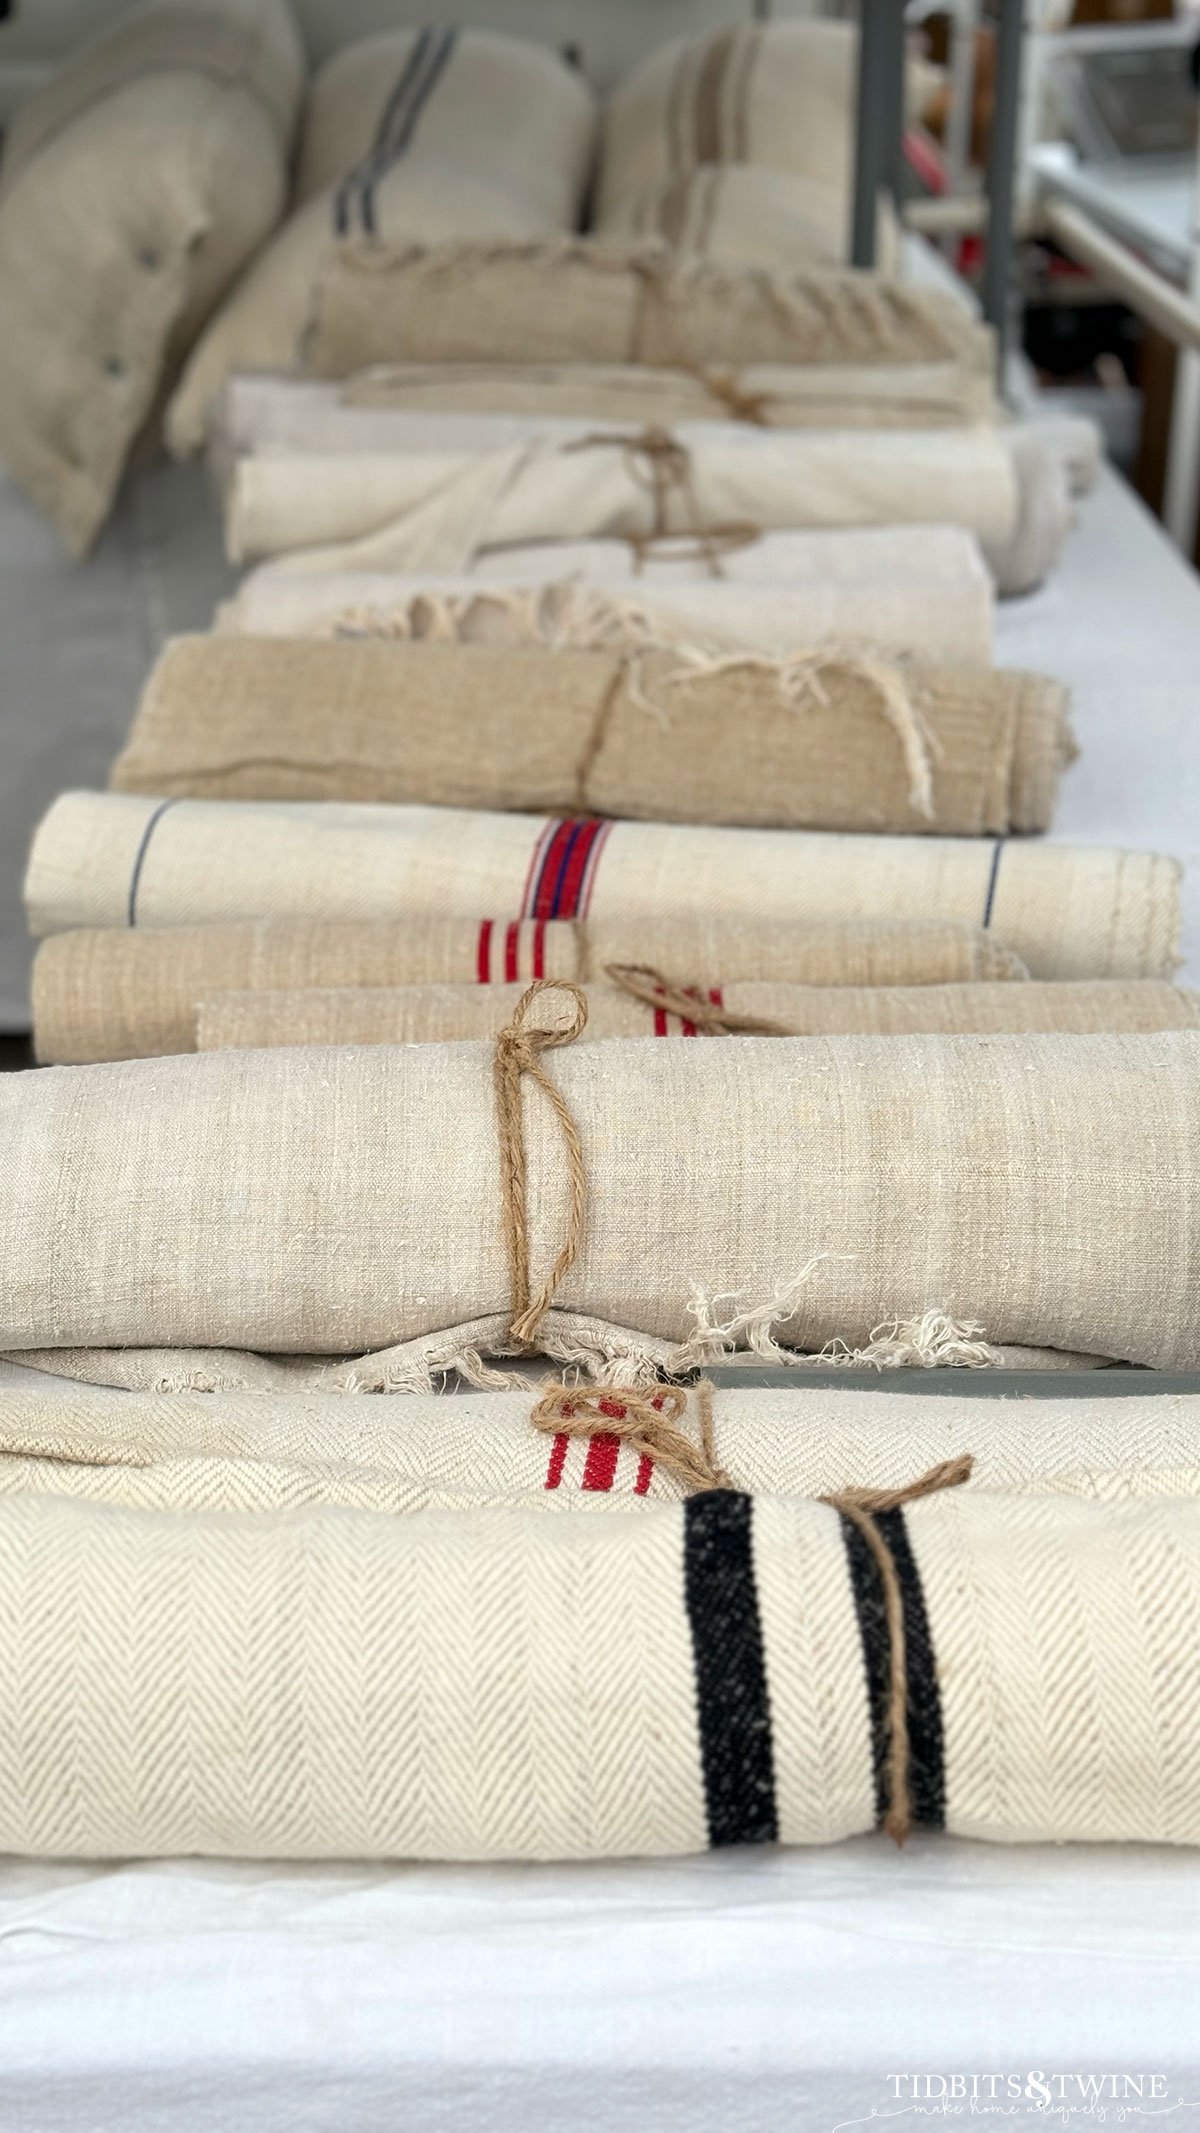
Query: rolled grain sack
(915,593)
(758,217)
(456,1691)
(423,134)
(458,489)
(603,300)
(130,994)
(432,1014)
(118,859)
(261,1450)
(136,184)
(344,1199)
(823,742)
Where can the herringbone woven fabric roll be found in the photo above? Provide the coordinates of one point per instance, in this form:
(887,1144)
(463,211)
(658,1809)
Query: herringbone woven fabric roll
(440,1014)
(128,994)
(921,593)
(118,859)
(264,1450)
(818,742)
(465,484)
(338,1200)
(455,1689)
(600,300)
(413,135)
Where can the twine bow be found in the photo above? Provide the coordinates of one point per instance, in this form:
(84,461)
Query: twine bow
(661,465)
(643,983)
(518,1052)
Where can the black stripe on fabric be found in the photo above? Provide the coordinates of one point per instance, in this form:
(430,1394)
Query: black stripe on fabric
(733,1709)
(355,179)
(993,878)
(926,1766)
(401,137)
(152,822)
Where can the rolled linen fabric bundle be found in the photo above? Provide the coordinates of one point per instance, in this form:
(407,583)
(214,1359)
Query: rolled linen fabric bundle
(130,994)
(914,593)
(450,1696)
(640,1005)
(822,742)
(421,134)
(445,498)
(262,1450)
(118,859)
(603,300)
(343,1199)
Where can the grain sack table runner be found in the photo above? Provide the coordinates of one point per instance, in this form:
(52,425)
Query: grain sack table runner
(126,994)
(335,1201)
(119,859)
(636,1001)
(812,742)
(913,593)
(450,493)
(1014,1668)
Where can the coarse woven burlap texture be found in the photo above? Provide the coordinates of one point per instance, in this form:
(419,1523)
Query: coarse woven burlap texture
(415,134)
(336,1200)
(441,1014)
(112,993)
(120,859)
(137,182)
(455,1691)
(813,742)
(920,593)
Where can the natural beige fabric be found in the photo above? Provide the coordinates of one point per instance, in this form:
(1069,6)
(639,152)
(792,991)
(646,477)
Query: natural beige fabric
(740,212)
(465,484)
(321,1201)
(413,134)
(135,185)
(816,743)
(117,994)
(456,1688)
(430,1014)
(116,859)
(917,592)
(266,1451)
(600,300)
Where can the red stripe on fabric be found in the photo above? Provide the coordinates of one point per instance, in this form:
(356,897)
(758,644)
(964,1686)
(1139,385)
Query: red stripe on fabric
(558,1460)
(687,1029)
(483,954)
(544,901)
(575,871)
(598,845)
(535,859)
(539,949)
(600,1466)
(660,1021)
(645,1474)
(512,937)
(716,996)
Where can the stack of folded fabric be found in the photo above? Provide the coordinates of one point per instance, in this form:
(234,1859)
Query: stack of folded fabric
(452,793)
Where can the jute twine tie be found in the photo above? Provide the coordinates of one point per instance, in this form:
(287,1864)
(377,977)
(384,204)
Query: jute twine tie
(643,983)
(518,1053)
(662,466)
(648,1421)
(860,1507)
(743,404)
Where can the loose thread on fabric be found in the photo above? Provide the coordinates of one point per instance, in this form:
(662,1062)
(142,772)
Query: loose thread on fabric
(647,1419)
(518,1051)
(660,465)
(860,1507)
(743,404)
(643,983)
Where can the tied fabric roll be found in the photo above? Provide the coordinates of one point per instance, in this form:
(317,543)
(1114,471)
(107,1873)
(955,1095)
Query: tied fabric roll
(450,1697)
(642,1006)
(823,742)
(117,859)
(335,1201)
(128,994)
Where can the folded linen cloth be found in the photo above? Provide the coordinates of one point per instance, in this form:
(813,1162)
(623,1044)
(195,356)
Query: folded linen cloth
(604,300)
(455,1689)
(432,1014)
(912,593)
(753,216)
(263,1450)
(458,488)
(814,742)
(339,1200)
(121,859)
(112,993)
